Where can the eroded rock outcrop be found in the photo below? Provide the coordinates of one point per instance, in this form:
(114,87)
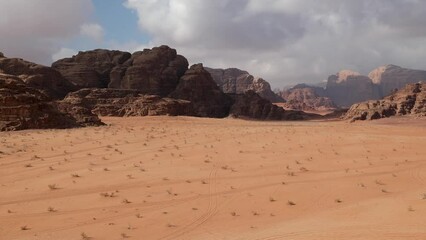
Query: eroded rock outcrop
(252,106)
(37,76)
(91,69)
(236,81)
(347,87)
(198,87)
(411,100)
(125,103)
(152,71)
(24,107)
(307,98)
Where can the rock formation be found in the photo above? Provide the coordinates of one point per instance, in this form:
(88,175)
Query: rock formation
(24,107)
(391,77)
(125,103)
(307,98)
(251,106)
(91,69)
(150,82)
(236,81)
(411,100)
(198,87)
(151,71)
(347,87)
(155,71)
(196,95)
(37,76)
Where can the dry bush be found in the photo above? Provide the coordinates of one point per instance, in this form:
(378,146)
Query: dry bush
(53,187)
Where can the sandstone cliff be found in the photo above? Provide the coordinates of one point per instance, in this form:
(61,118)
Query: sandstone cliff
(91,69)
(152,71)
(346,88)
(391,77)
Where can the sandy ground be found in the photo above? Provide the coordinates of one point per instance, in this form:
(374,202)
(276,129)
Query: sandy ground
(189,178)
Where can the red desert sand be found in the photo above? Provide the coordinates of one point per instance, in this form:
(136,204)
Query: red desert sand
(193,178)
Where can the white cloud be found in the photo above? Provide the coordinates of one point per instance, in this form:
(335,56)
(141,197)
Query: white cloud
(64,53)
(36,29)
(93,31)
(289,41)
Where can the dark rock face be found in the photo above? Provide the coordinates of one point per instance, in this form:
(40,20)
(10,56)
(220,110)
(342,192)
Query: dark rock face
(24,107)
(236,81)
(152,71)
(125,103)
(155,71)
(391,77)
(198,87)
(37,76)
(410,100)
(307,98)
(251,106)
(347,88)
(91,68)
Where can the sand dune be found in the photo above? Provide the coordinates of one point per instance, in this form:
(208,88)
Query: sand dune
(191,178)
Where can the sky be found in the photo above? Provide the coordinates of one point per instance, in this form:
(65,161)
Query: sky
(283,41)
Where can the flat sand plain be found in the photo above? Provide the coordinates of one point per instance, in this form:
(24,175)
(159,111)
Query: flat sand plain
(193,178)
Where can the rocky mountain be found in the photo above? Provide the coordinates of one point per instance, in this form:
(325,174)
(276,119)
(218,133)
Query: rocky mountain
(307,98)
(236,81)
(346,88)
(25,107)
(150,82)
(410,100)
(152,71)
(43,78)
(391,77)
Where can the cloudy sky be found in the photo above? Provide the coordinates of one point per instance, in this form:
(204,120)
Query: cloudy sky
(283,41)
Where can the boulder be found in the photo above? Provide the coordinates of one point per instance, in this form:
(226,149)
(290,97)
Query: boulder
(91,69)
(37,76)
(411,100)
(236,81)
(198,87)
